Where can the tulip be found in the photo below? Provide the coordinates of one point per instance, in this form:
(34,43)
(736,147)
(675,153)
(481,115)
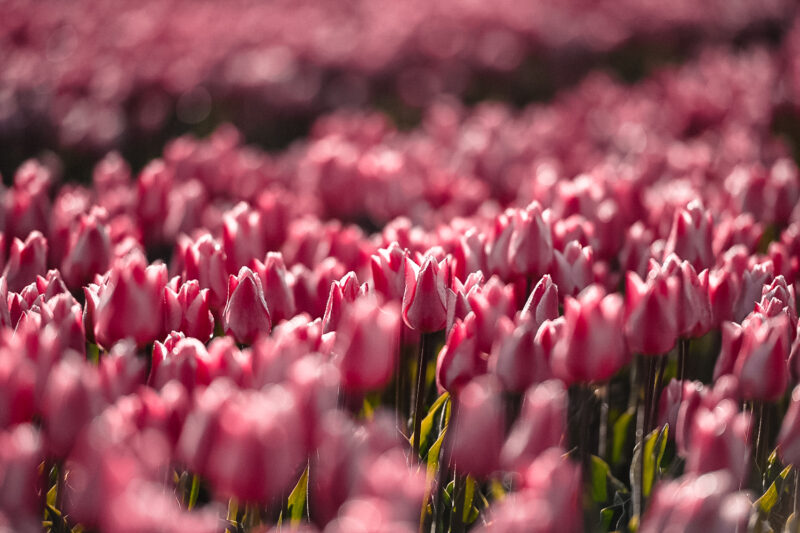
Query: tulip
(343,292)
(572,268)
(720,441)
(651,323)
(517,359)
(707,503)
(425,296)
(542,304)
(89,251)
(26,260)
(21,453)
(277,293)
(478,428)
(460,360)
(541,425)
(761,364)
(203,260)
(130,305)
(388,266)
(243,236)
(789,436)
(367,345)
(246,314)
(530,249)
(591,346)
(187,310)
(691,236)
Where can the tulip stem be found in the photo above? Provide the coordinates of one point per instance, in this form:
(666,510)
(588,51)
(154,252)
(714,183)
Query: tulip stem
(602,433)
(419,397)
(459,496)
(402,420)
(658,388)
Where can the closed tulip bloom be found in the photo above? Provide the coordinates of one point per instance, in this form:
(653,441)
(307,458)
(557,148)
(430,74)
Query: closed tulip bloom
(572,268)
(761,365)
(651,323)
(204,260)
(188,310)
(277,293)
(591,346)
(367,345)
(542,304)
(517,359)
(691,236)
(724,287)
(694,306)
(243,236)
(425,296)
(541,425)
(246,314)
(720,441)
(493,301)
(707,503)
(478,428)
(388,266)
(89,251)
(130,305)
(343,293)
(732,336)
(460,359)
(26,260)
(530,249)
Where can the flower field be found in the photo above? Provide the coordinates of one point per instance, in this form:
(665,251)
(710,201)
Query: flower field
(388,267)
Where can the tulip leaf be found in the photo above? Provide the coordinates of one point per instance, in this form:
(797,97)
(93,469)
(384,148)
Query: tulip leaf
(297,500)
(654,447)
(599,475)
(606,515)
(428,423)
(768,500)
(470,511)
(194,492)
(620,435)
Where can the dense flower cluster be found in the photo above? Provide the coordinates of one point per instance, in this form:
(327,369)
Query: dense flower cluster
(94,72)
(580,315)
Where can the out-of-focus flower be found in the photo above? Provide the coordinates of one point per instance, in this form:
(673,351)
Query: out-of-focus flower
(542,304)
(388,266)
(478,427)
(541,425)
(530,249)
(591,346)
(517,359)
(460,359)
(277,293)
(572,268)
(21,452)
(720,441)
(367,344)
(761,362)
(691,236)
(26,260)
(89,251)
(204,261)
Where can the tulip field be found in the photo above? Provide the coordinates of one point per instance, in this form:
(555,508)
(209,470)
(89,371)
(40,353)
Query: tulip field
(399,266)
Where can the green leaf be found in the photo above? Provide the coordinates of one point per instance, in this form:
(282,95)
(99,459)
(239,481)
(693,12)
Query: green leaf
(469,488)
(428,423)
(600,473)
(768,500)
(194,492)
(297,500)
(620,435)
(606,515)
(654,448)
(92,352)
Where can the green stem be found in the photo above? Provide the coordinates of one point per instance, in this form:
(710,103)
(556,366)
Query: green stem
(419,397)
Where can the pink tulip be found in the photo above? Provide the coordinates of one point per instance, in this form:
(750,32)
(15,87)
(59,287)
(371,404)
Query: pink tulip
(26,260)
(460,359)
(89,251)
(203,260)
(187,310)
(246,315)
(591,346)
(651,322)
(530,249)
(542,304)
(425,297)
(720,440)
(691,236)
(388,266)
(761,365)
(277,293)
(478,428)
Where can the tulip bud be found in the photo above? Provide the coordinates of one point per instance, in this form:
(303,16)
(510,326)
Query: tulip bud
(493,301)
(243,236)
(131,304)
(720,441)
(425,297)
(732,335)
(693,305)
(761,365)
(478,428)
(344,290)
(651,324)
(691,236)
(517,360)
(572,269)
(89,251)
(277,293)
(21,454)
(26,261)
(497,249)
(542,303)
(388,267)
(367,345)
(188,311)
(204,261)
(591,346)
(541,425)
(246,314)
(530,249)
(460,359)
